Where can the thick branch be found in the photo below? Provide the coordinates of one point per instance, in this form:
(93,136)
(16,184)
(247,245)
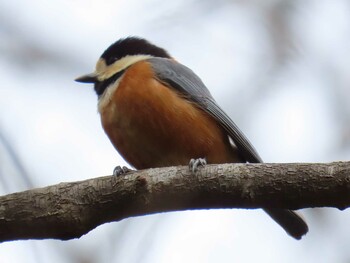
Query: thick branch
(70,210)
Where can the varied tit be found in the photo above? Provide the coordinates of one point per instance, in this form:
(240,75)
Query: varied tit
(157,112)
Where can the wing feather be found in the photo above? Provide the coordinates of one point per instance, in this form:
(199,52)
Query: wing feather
(185,81)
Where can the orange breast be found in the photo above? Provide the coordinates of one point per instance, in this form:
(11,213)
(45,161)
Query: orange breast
(152,126)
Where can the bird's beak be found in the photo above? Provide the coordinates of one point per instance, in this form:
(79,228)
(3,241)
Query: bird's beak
(88,78)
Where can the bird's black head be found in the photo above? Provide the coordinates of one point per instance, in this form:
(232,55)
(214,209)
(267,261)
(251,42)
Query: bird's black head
(132,46)
(117,58)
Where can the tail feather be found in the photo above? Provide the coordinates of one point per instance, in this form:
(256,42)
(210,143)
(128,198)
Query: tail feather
(290,221)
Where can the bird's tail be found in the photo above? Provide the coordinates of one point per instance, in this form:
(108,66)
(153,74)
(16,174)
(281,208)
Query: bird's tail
(290,221)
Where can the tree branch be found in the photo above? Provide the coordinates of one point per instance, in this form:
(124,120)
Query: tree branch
(70,210)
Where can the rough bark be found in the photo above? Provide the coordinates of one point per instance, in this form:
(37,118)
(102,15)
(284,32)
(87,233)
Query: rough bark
(70,210)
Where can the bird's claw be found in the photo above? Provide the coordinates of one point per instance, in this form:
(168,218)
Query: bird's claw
(195,163)
(119,170)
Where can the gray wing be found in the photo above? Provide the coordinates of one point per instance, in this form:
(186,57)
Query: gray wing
(184,80)
(190,85)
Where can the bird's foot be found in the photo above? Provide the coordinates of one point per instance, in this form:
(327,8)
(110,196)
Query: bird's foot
(119,170)
(195,163)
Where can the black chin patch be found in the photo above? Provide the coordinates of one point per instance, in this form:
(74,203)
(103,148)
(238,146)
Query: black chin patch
(101,86)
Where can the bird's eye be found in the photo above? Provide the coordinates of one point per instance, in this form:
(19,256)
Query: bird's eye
(111,60)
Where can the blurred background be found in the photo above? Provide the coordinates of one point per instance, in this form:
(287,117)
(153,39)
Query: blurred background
(279,68)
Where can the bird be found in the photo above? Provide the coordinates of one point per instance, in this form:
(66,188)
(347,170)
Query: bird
(157,112)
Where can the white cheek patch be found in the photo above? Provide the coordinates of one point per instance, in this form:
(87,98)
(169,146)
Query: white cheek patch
(104,72)
(107,95)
